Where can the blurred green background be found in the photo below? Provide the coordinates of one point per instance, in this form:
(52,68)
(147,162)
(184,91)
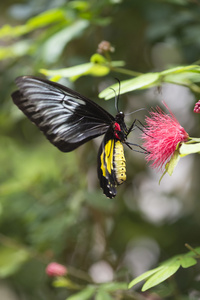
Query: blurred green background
(51,206)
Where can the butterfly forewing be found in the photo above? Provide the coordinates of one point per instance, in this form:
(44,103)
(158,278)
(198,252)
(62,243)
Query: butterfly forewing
(67,118)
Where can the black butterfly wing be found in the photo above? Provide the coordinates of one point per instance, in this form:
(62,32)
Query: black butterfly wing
(67,118)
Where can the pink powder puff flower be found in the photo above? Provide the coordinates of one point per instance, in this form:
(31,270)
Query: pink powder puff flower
(162,135)
(197,107)
(54,269)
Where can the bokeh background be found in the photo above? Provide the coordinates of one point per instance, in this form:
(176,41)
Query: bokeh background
(51,206)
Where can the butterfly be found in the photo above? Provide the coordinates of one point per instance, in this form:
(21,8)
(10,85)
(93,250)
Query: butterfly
(69,120)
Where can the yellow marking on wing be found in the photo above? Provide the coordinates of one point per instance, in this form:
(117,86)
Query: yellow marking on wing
(107,157)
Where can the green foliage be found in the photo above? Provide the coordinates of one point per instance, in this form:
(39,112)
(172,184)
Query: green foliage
(186,76)
(43,19)
(182,75)
(85,294)
(192,146)
(102,295)
(189,147)
(11,260)
(101,291)
(166,269)
(57,26)
(51,207)
(98,66)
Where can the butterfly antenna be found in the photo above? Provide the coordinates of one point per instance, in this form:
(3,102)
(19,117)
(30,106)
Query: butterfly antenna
(117,97)
(135,111)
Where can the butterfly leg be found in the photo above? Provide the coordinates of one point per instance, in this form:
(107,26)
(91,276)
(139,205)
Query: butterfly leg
(144,151)
(141,129)
(134,124)
(131,127)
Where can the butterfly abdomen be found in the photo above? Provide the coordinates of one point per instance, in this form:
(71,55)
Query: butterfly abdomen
(119,163)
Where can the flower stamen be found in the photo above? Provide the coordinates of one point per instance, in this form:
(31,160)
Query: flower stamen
(162,135)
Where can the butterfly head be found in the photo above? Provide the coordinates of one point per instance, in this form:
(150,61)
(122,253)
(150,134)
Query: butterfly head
(119,117)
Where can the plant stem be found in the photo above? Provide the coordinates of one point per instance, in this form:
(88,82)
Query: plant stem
(125,71)
(192,249)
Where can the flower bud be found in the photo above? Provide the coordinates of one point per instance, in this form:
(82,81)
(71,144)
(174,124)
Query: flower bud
(197,107)
(104,47)
(54,269)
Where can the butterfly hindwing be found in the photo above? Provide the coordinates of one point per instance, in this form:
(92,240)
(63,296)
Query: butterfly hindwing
(67,118)
(111,164)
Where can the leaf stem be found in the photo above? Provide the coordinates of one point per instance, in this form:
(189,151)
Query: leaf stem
(192,249)
(125,71)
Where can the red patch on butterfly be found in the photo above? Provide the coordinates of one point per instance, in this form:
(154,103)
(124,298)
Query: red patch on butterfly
(117,128)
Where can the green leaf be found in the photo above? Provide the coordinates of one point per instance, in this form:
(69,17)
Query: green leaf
(187,148)
(75,72)
(43,19)
(169,167)
(187,262)
(64,282)
(140,82)
(97,67)
(179,69)
(166,269)
(194,252)
(165,272)
(68,72)
(85,294)
(79,5)
(173,162)
(61,39)
(10,31)
(11,260)
(102,295)
(143,276)
(16,50)
(46,18)
(100,67)
(193,140)
(97,59)
(113,286)
(185,78)
(184,75)
(98,70)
